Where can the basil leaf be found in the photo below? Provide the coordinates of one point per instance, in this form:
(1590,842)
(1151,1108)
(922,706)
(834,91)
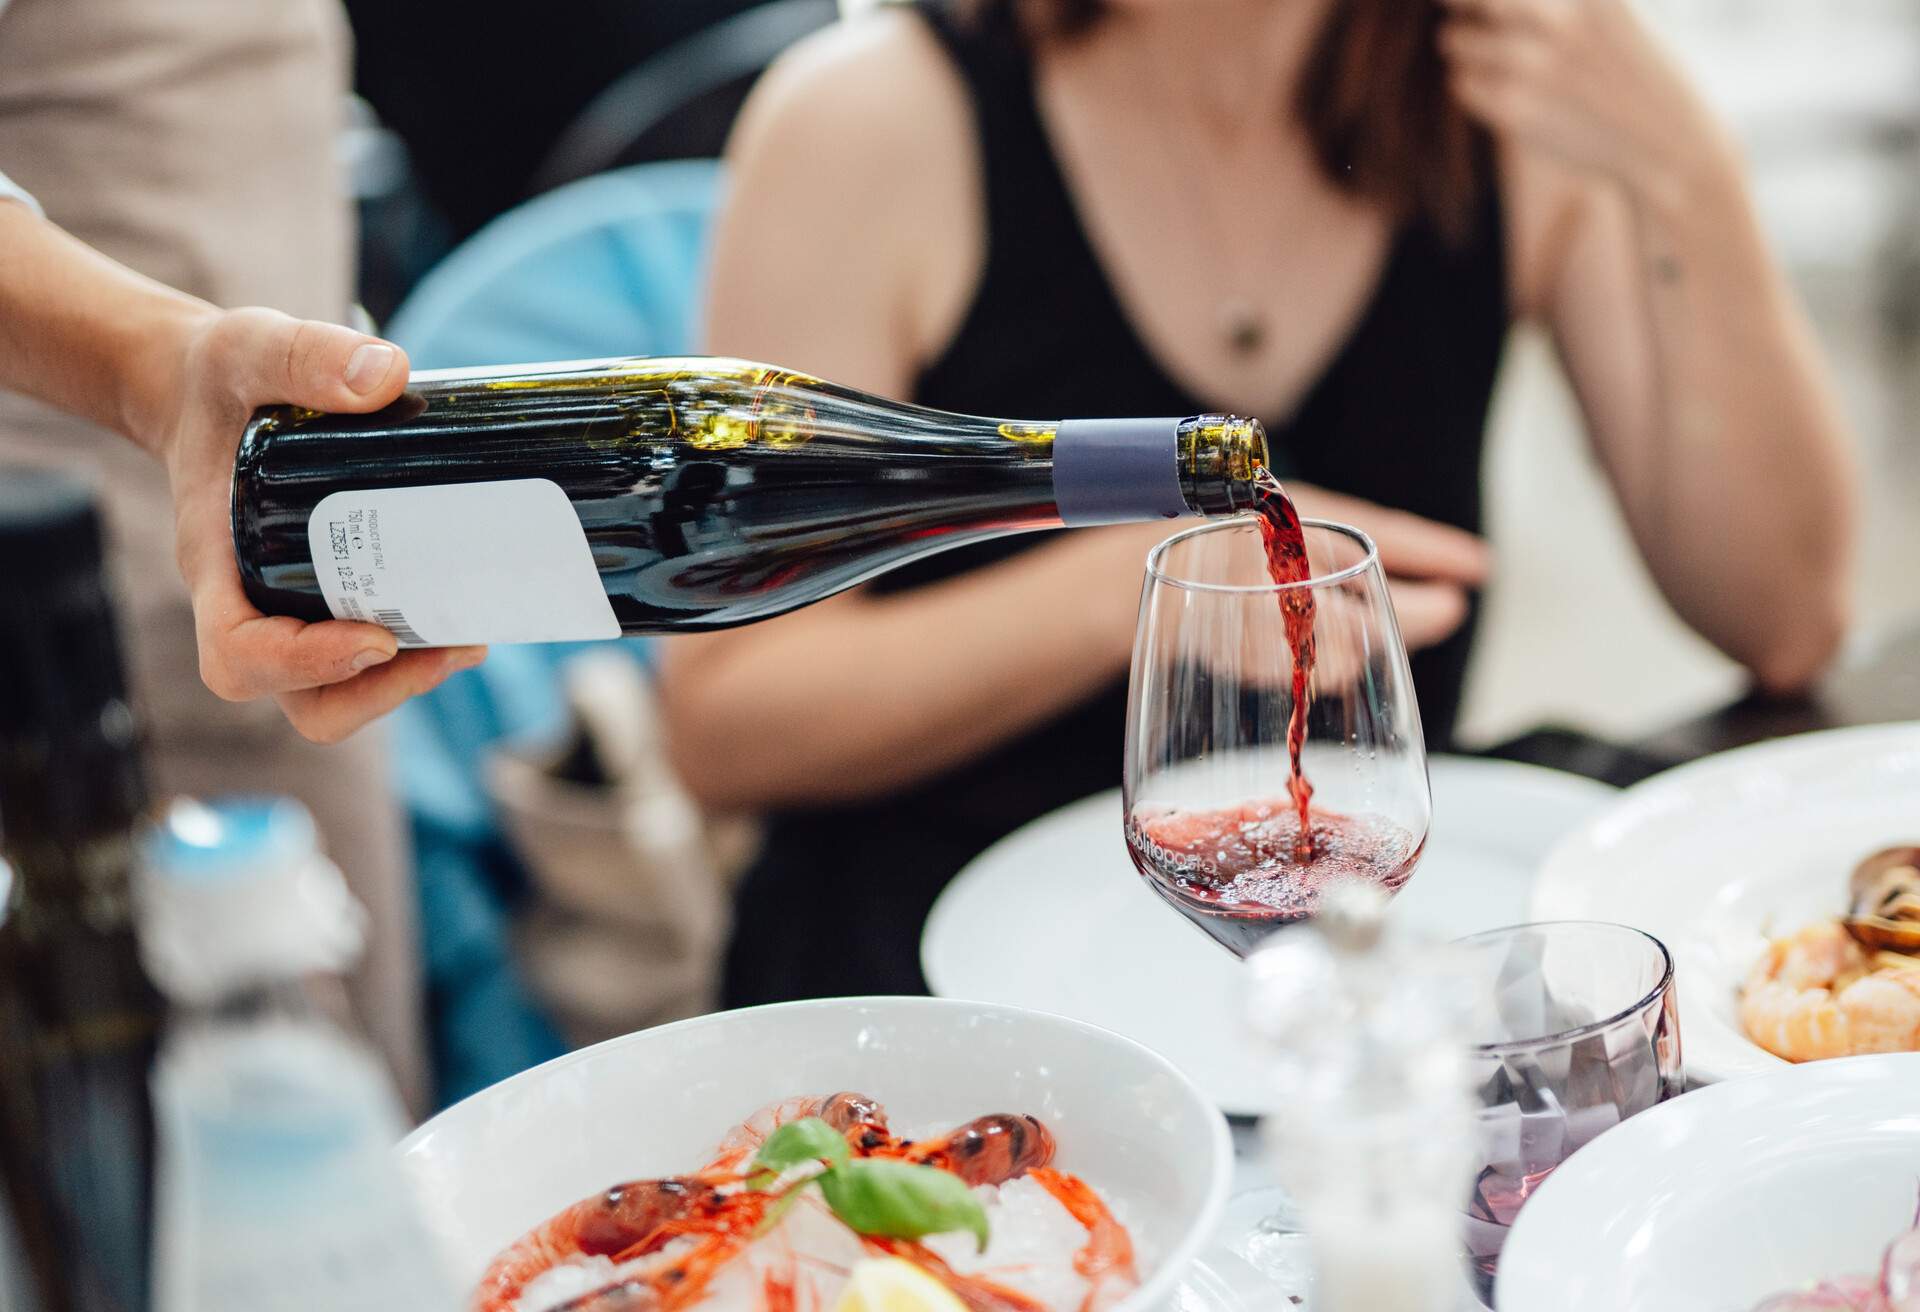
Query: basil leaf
(898,1200)
(795,1144)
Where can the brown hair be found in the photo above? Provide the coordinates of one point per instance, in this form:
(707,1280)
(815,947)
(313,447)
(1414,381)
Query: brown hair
(1373,99)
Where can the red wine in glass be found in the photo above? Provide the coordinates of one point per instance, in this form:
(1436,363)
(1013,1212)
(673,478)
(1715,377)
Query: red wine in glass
(1236,873)
(1497,1196)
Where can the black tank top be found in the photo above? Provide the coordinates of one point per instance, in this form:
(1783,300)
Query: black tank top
(836,905)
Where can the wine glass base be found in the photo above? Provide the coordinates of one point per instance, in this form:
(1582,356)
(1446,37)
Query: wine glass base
(1260,1260)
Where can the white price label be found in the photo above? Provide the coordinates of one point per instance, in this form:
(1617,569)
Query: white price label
(461,563)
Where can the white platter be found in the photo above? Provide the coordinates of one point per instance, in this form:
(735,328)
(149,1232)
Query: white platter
(1092,942)
(1715,856)
(1726,1196)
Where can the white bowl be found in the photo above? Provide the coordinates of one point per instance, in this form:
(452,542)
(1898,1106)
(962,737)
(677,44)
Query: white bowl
(1716,856)
(656,1102)
(1722,1197)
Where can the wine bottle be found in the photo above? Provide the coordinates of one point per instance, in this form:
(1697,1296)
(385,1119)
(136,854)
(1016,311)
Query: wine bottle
(584,500)
(79,1020)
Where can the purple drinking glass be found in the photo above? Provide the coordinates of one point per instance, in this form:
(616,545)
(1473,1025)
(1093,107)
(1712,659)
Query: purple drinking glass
(1580,1032)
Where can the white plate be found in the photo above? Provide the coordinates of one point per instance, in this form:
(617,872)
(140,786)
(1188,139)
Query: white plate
(1713,857)
(655,1103)
(1722,1197)
(1055,917)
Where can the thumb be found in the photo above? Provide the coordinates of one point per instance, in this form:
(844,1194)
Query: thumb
(1428,612)
(321,366)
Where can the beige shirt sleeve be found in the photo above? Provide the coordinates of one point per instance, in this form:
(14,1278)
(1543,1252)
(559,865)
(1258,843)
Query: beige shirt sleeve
(9,191)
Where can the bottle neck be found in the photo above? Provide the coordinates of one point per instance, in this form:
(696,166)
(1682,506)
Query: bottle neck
(1116,471)
(1220,458)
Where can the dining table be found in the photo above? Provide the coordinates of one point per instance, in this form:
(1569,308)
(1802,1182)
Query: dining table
(1876,682)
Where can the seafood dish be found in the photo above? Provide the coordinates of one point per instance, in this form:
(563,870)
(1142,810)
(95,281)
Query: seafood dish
(1849,985)
(817,1204)
(1894,1288)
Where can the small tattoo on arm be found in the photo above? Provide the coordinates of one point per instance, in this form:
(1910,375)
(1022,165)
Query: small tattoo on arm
(1666,268)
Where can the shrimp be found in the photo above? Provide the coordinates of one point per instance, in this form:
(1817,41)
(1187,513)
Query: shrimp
(1893,1291)
(691,1227)
(845,1112)
(1108,1254)
(666,1287)
(605,1225)
(622,1296)
(1847,1295)
(639,1216)
(1816,994)
(986,1150)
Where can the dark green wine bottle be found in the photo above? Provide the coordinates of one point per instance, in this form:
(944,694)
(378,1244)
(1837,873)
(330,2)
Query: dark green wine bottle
(549,502)
(79,1021)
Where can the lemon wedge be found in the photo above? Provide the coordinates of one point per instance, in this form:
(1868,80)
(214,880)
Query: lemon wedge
(893,1284)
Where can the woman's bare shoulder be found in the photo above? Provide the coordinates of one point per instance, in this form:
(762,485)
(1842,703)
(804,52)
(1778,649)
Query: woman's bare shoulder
(875,91)
(860,139)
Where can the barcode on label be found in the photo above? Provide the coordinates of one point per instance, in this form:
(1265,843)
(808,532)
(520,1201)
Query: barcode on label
(396,624)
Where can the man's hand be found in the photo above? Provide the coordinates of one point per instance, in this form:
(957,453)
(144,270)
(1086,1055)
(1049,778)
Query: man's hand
(180,378)
(331,677)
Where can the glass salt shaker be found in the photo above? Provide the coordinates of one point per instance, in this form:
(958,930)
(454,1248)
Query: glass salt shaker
(1365,1040)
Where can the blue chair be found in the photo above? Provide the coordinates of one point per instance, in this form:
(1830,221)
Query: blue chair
(611,265)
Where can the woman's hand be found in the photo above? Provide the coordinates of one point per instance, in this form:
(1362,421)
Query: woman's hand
(1431,567)
(1583,81)
(330,678)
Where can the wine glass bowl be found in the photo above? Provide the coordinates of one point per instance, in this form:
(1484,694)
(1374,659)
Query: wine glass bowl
(1212,815)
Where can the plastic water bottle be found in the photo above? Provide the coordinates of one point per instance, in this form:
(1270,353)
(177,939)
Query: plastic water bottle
(278,1188)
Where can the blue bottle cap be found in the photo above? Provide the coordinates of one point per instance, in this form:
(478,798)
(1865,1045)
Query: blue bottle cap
(236,892)
(230,838)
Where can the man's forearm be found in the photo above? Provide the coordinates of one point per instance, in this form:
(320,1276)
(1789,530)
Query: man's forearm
(83,333)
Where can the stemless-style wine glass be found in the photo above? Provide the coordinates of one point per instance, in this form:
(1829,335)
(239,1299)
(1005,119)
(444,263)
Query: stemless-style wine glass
(1211,804)
(1582,1031)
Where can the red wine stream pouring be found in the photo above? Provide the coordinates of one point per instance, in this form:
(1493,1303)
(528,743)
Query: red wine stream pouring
(1286,545)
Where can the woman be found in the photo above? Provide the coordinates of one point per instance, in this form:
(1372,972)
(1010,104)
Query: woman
(1326,213)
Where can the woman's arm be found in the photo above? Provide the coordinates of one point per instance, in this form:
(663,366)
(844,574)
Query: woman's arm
(180,378)
(1700,378)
